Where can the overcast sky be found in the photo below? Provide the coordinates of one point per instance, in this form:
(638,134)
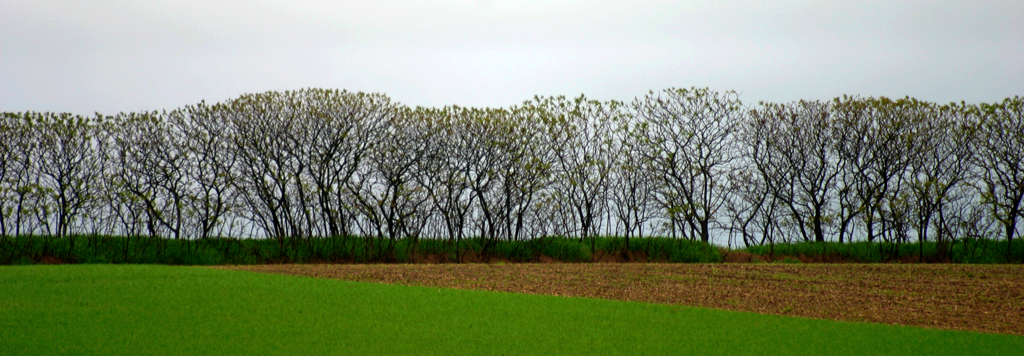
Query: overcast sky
(111,56)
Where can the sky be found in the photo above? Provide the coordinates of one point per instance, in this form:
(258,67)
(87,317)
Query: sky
(113,56)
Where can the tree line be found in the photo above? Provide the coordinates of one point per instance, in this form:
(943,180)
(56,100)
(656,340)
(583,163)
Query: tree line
(686,163)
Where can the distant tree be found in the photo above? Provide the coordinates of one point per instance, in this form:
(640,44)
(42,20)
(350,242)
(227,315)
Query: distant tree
(204,140)
(11,137)
(340,129)
(526,164)
(388,192)
(583,151)
(132,180)
(482,153)
(942,152)
(811,166)
(876,146)
(310,163)
(68,165)
(632,183)
(1001,159)
(757,186)
(691,147)
(446,168)
(752,208)
(266,170)
(511,163)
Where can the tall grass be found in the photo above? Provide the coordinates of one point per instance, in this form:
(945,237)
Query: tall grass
(350,249)
(959,251)
(154,250)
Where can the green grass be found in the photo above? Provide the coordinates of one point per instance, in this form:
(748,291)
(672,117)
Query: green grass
(166,310)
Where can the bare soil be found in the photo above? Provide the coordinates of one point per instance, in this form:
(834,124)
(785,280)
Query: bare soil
(962,297)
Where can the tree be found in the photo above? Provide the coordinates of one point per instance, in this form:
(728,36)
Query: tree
(340,129)
(1001,158)
(69,165)
(875,144)
(267,169)
(756,187)
(511,163)
(446,168)
(804,145)
(388,193)
(632,183)
(204,140)
(131,182)
(582,144)
(16,150)
(691,147)
(943,149)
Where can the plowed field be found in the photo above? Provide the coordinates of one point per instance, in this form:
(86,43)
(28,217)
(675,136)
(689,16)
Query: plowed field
(962,297)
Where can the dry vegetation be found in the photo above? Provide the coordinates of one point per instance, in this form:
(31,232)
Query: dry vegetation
(963,297)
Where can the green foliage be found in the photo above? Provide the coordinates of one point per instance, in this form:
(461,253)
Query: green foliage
(960,251)
(161,310)
(218,251)
(349,249)
(664,249)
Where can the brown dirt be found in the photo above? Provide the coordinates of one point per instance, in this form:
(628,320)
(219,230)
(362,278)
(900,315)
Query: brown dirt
(961,297)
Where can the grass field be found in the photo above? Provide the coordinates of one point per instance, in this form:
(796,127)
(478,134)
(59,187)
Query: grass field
(118,309)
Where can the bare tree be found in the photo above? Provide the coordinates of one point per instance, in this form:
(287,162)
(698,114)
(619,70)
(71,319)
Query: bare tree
(942,160)
(153,165)
(690,133)
(204,140)
(69,167)
(340,129)
(511,162)
(388,192)
(632,183)
(129,183)
(446,168)
(303,164)
(582,144)
(265,171)
(13,168)
(876,148)
(1001,159)
(754,204)
(529,165)
(482,153)
(812,166)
